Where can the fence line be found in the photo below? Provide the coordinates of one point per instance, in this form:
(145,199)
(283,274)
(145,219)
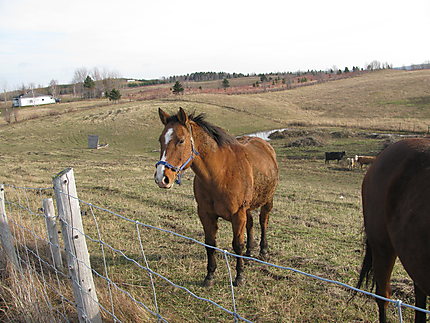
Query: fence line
(159,275)
(258,260)
(111,284)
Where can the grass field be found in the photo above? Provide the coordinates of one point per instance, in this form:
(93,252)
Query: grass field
(316,223)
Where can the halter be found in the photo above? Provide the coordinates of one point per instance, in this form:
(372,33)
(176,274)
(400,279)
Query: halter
(181,168)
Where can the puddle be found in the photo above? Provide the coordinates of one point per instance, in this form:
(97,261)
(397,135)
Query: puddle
(264,134)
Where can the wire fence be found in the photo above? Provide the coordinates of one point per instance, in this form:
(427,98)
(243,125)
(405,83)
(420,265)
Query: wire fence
(36,252)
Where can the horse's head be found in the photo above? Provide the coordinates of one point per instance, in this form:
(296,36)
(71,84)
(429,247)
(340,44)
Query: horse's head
(177,148)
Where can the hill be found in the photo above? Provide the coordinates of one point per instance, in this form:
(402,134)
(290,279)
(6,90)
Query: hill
(316,223)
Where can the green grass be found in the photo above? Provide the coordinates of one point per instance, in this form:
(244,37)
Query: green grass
(315,226)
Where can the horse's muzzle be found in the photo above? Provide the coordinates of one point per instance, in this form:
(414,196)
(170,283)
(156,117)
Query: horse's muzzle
(162,180)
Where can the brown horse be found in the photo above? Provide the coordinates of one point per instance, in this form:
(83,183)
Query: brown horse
(396,208)
(232,178)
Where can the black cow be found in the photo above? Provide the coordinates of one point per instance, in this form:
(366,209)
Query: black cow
(334,155)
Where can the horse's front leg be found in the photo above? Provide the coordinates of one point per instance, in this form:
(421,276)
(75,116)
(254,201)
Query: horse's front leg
(239,224)
(210,227)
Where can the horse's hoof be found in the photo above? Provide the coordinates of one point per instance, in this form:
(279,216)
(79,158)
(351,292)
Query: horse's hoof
(208,282)
(263,256)
(238,281)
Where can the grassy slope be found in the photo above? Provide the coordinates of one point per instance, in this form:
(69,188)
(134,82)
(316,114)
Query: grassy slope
(392,97)
(316,223)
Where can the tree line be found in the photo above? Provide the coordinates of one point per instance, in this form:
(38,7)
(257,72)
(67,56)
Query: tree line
(96,83)
(203,76)
(93,83)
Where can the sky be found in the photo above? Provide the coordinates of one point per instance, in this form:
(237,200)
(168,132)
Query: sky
(49,40)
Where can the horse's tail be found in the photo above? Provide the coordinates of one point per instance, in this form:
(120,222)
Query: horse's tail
(366,272)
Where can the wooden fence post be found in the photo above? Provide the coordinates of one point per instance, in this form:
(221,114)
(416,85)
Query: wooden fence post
(78,259)
(5,234)
(51,226)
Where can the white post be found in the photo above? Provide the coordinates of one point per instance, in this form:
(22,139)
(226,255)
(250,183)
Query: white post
(78,259)
(51,226)
(5,234)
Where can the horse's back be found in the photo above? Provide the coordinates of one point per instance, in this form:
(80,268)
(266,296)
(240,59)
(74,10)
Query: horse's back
(396,205)
(262,158)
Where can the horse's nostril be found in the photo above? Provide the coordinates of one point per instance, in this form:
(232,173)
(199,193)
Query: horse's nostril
(165,180)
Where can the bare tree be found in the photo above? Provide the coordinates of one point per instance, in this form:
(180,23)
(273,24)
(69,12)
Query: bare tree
(4,88)
(373,65)
(10,113)
(110,80)
(78,80)
(23,88)
(53,88)
(387,65)
(80,74)
(96,75)
(105,80)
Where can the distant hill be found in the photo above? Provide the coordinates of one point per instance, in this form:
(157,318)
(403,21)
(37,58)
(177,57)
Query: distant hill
(414,67)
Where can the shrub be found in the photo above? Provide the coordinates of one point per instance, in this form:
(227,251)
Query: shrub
(304,142)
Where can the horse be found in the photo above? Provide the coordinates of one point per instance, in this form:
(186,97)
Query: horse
(232,178)
(396,209)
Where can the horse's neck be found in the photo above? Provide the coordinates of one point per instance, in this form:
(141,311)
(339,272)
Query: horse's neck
(207,164)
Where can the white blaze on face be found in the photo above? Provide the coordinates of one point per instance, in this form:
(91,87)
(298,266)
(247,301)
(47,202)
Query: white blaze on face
(160,168)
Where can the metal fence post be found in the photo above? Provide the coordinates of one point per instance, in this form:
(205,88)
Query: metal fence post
(78,259)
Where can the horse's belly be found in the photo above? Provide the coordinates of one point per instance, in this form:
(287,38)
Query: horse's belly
(263,189)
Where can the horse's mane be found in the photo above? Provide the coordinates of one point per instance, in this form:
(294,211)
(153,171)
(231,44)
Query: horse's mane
(216,133)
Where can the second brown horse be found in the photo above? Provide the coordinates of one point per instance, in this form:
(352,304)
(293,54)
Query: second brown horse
(396,207)
(233,177)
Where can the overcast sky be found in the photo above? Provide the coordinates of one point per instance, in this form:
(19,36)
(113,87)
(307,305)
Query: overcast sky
(49,39)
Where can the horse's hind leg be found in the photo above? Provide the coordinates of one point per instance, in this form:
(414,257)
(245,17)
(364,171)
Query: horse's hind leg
(383,262)
(264,221)
(250,242)
(420,301)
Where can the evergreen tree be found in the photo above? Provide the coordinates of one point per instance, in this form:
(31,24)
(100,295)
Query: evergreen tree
(89,86)
(225,83)
(177,88)
(114,95)
(89,83)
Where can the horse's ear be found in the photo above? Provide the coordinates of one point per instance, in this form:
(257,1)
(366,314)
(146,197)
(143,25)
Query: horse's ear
(163,116)
(182,117)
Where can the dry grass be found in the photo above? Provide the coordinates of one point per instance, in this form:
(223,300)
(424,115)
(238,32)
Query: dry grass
(316,224)
(26,298)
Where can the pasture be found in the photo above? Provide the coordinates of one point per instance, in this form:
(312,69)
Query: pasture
(315,225)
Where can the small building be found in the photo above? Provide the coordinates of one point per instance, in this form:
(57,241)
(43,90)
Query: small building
(31,98)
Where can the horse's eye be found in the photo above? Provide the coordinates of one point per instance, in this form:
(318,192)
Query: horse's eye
(181,141)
